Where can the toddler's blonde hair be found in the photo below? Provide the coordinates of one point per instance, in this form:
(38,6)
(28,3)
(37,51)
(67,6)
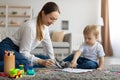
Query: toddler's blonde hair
(91,29)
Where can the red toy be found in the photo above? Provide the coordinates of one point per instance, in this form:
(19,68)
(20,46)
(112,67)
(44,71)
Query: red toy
(3,74)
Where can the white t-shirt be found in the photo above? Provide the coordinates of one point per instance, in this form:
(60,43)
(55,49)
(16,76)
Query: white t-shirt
(92,52)
(25,38)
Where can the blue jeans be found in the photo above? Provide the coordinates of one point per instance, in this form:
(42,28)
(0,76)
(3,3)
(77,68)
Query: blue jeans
(7,44)
(82,62)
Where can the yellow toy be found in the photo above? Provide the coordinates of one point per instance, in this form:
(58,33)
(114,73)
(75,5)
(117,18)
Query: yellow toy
(17,73)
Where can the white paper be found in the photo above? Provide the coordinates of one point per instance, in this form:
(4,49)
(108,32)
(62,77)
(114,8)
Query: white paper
(76,70)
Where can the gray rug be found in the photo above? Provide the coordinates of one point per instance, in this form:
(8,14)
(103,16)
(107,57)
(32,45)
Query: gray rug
(108,73)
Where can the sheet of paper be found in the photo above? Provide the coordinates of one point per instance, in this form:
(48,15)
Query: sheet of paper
(76,70)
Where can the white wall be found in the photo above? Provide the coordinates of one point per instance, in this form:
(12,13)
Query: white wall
(114,15)
(79,13)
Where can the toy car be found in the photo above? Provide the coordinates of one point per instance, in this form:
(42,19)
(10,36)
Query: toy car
(16,73)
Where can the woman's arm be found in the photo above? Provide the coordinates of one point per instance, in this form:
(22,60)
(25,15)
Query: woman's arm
(47,44)
(27,37)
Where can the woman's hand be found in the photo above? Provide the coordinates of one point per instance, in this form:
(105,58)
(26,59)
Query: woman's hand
(47,63)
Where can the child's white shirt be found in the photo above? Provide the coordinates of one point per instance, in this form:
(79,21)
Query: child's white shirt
(92,52)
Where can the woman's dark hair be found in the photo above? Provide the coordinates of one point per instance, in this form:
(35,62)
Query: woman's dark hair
(47,8)
(50,7)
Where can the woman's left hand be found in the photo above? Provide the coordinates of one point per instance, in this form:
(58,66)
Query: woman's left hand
(47,63)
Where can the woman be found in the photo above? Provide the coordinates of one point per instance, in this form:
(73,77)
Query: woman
(29,36)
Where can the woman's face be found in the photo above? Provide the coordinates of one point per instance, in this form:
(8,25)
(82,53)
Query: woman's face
(49,18)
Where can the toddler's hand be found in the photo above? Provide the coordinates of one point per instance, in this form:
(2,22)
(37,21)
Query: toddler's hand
(73,64)
(99,69)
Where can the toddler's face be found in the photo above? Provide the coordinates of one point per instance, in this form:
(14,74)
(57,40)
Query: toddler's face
(90,39)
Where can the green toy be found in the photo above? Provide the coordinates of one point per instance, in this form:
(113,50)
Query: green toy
(15,73)
(21,67)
